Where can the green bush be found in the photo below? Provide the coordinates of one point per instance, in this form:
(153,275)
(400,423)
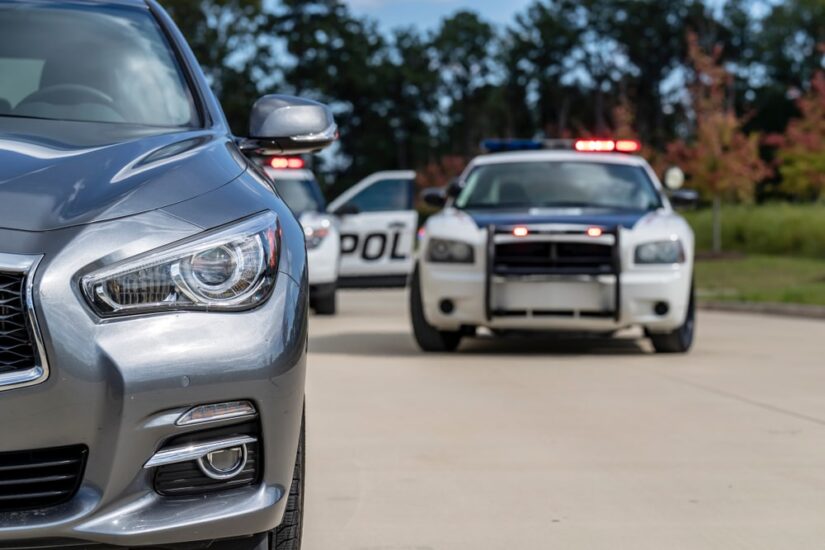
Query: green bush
(775,229)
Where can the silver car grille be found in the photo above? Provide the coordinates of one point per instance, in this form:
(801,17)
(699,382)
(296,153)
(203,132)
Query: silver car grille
(16,346)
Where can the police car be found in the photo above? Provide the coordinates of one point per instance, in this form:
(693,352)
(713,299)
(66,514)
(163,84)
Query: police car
(556,236)
(299,189)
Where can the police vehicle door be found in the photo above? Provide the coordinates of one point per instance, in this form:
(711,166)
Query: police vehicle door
(378,227)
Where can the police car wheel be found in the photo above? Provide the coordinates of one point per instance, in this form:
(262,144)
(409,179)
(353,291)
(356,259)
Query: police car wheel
(681,339)
(323,300)
(428,338)
(325,305)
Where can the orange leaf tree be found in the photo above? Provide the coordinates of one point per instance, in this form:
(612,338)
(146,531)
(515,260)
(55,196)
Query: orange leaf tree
(801,155)
(722,162)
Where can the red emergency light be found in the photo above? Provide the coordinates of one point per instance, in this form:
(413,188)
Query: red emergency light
(287,163)
(607,146)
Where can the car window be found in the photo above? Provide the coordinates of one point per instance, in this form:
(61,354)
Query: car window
(91,63)
(300,195)
(384,196)
(559,184)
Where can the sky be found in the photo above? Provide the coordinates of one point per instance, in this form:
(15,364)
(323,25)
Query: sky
(427,13)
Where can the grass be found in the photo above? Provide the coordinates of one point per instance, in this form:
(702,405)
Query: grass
(780,229)
(762,279)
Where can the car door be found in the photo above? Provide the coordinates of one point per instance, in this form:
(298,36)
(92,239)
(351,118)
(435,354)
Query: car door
(378,228)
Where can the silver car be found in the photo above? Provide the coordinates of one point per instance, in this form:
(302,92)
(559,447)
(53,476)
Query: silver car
(153,292)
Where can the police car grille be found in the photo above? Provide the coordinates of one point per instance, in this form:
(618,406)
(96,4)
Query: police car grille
(552,258)
(16,347)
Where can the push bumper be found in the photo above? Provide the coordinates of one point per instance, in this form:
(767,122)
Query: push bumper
(118,387)
(614,296)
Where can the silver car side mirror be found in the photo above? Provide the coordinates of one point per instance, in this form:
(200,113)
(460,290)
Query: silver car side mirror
(282,125)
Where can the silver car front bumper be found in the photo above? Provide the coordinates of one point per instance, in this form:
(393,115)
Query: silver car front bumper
(118,386)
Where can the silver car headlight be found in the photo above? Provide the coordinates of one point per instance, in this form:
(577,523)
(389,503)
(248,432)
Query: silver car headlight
(447,251)
(230,269)
(660,252)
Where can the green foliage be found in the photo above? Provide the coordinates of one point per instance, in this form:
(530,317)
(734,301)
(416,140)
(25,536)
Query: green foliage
(407,97)
(774,229)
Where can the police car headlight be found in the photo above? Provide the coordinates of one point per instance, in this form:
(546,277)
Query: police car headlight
(661,252)
(315,236)
(452,252)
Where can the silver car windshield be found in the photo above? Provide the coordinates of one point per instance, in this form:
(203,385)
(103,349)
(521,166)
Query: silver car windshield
(551,184)
(90,63)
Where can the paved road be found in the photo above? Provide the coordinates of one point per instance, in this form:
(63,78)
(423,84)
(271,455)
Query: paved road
(564,444)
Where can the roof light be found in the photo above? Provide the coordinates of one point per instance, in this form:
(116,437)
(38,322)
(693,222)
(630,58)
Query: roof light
(502,145)
(607,146)
(628,146)
(290,163)
(520,231)
(594,232)
(595,145)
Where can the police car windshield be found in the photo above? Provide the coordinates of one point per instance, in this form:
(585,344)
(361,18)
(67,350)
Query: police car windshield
(89,63)
(574,184)
(300,195)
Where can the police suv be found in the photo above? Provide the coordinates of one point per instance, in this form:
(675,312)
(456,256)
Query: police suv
(299,189)
(556,236)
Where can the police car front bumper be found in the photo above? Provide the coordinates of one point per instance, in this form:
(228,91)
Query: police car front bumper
(556,303)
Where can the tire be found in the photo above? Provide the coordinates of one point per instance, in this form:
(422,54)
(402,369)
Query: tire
(428,338)
(681,339)
(326,303)
(287,536)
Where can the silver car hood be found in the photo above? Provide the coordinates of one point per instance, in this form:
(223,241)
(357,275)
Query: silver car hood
(59,174)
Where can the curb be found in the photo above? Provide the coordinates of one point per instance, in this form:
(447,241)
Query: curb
(785,310)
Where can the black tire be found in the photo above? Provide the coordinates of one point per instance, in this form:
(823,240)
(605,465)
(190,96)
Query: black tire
(681,339)
(325,304)
(287,536)
(428,338)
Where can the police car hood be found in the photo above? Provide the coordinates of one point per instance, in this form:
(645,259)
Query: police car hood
(56,174)
(602,217)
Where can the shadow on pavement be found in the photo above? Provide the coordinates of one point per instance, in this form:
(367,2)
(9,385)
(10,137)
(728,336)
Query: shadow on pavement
(401,344)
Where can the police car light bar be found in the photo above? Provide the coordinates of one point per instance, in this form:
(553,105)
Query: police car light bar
(580,145)
(289,163)
(607,146)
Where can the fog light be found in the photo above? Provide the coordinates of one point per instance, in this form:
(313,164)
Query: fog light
(224,463)
(661,308)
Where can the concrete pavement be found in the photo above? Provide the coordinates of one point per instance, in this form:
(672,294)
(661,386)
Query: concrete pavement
(571,444)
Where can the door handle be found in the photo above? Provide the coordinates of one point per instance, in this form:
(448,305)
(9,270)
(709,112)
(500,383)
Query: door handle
(397,225)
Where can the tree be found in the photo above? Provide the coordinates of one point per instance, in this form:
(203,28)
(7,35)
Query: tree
(801,155)
(721,161)
(224,36)
(463,50)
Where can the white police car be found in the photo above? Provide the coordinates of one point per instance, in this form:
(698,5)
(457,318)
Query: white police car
(556,236)
(299,189)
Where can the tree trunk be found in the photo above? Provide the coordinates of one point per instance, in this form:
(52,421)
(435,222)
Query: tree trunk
(717,224)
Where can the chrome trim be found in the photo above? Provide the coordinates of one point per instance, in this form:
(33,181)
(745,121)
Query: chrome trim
(195,451)
(39,372)
(212,473)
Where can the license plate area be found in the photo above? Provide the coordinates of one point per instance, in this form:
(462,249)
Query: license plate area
(549,297)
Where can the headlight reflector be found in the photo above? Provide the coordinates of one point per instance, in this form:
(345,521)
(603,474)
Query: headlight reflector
(448,251)
(660,252)
(229,269)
